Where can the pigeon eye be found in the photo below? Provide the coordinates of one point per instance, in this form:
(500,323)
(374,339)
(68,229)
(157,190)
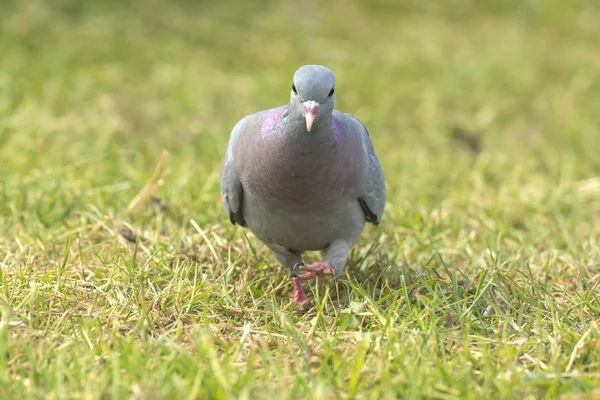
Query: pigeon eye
(294,89)
(331,92)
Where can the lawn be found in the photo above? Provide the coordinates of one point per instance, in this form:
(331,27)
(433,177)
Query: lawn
(121,276)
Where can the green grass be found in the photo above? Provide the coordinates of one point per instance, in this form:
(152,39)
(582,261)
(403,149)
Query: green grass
(482,281)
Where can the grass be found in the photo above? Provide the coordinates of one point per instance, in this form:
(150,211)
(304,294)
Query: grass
(482,281)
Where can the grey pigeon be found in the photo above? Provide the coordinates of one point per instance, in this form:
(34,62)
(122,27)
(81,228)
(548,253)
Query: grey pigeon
(304,177)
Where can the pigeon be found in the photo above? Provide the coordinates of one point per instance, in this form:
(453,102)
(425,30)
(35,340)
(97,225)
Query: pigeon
(304,177)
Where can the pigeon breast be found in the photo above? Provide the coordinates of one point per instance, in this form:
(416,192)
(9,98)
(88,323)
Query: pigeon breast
(292,170)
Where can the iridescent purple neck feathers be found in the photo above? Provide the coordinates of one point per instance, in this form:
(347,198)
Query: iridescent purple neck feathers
(273,122)
(336,128)
(277,119)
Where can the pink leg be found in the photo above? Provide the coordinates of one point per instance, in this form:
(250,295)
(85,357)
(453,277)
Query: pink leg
(314,270)
(299,296)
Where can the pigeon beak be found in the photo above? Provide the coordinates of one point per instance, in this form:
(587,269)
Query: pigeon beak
(311,108)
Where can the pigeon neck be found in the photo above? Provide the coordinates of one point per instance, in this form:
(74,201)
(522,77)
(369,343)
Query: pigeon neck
(320,127)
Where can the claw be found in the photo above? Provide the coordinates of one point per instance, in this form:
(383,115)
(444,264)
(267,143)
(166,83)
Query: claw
(308,275)
(314,270)
(319,268)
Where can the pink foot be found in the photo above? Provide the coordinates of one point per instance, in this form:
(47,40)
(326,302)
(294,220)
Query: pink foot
(317,269)
(299,296)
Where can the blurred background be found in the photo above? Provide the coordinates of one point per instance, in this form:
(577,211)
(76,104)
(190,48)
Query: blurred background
(486,109)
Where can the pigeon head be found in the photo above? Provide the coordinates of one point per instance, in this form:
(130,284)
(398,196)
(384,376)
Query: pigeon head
(313,93)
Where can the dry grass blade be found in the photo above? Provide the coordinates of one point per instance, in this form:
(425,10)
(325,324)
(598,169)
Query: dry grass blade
(156,181)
